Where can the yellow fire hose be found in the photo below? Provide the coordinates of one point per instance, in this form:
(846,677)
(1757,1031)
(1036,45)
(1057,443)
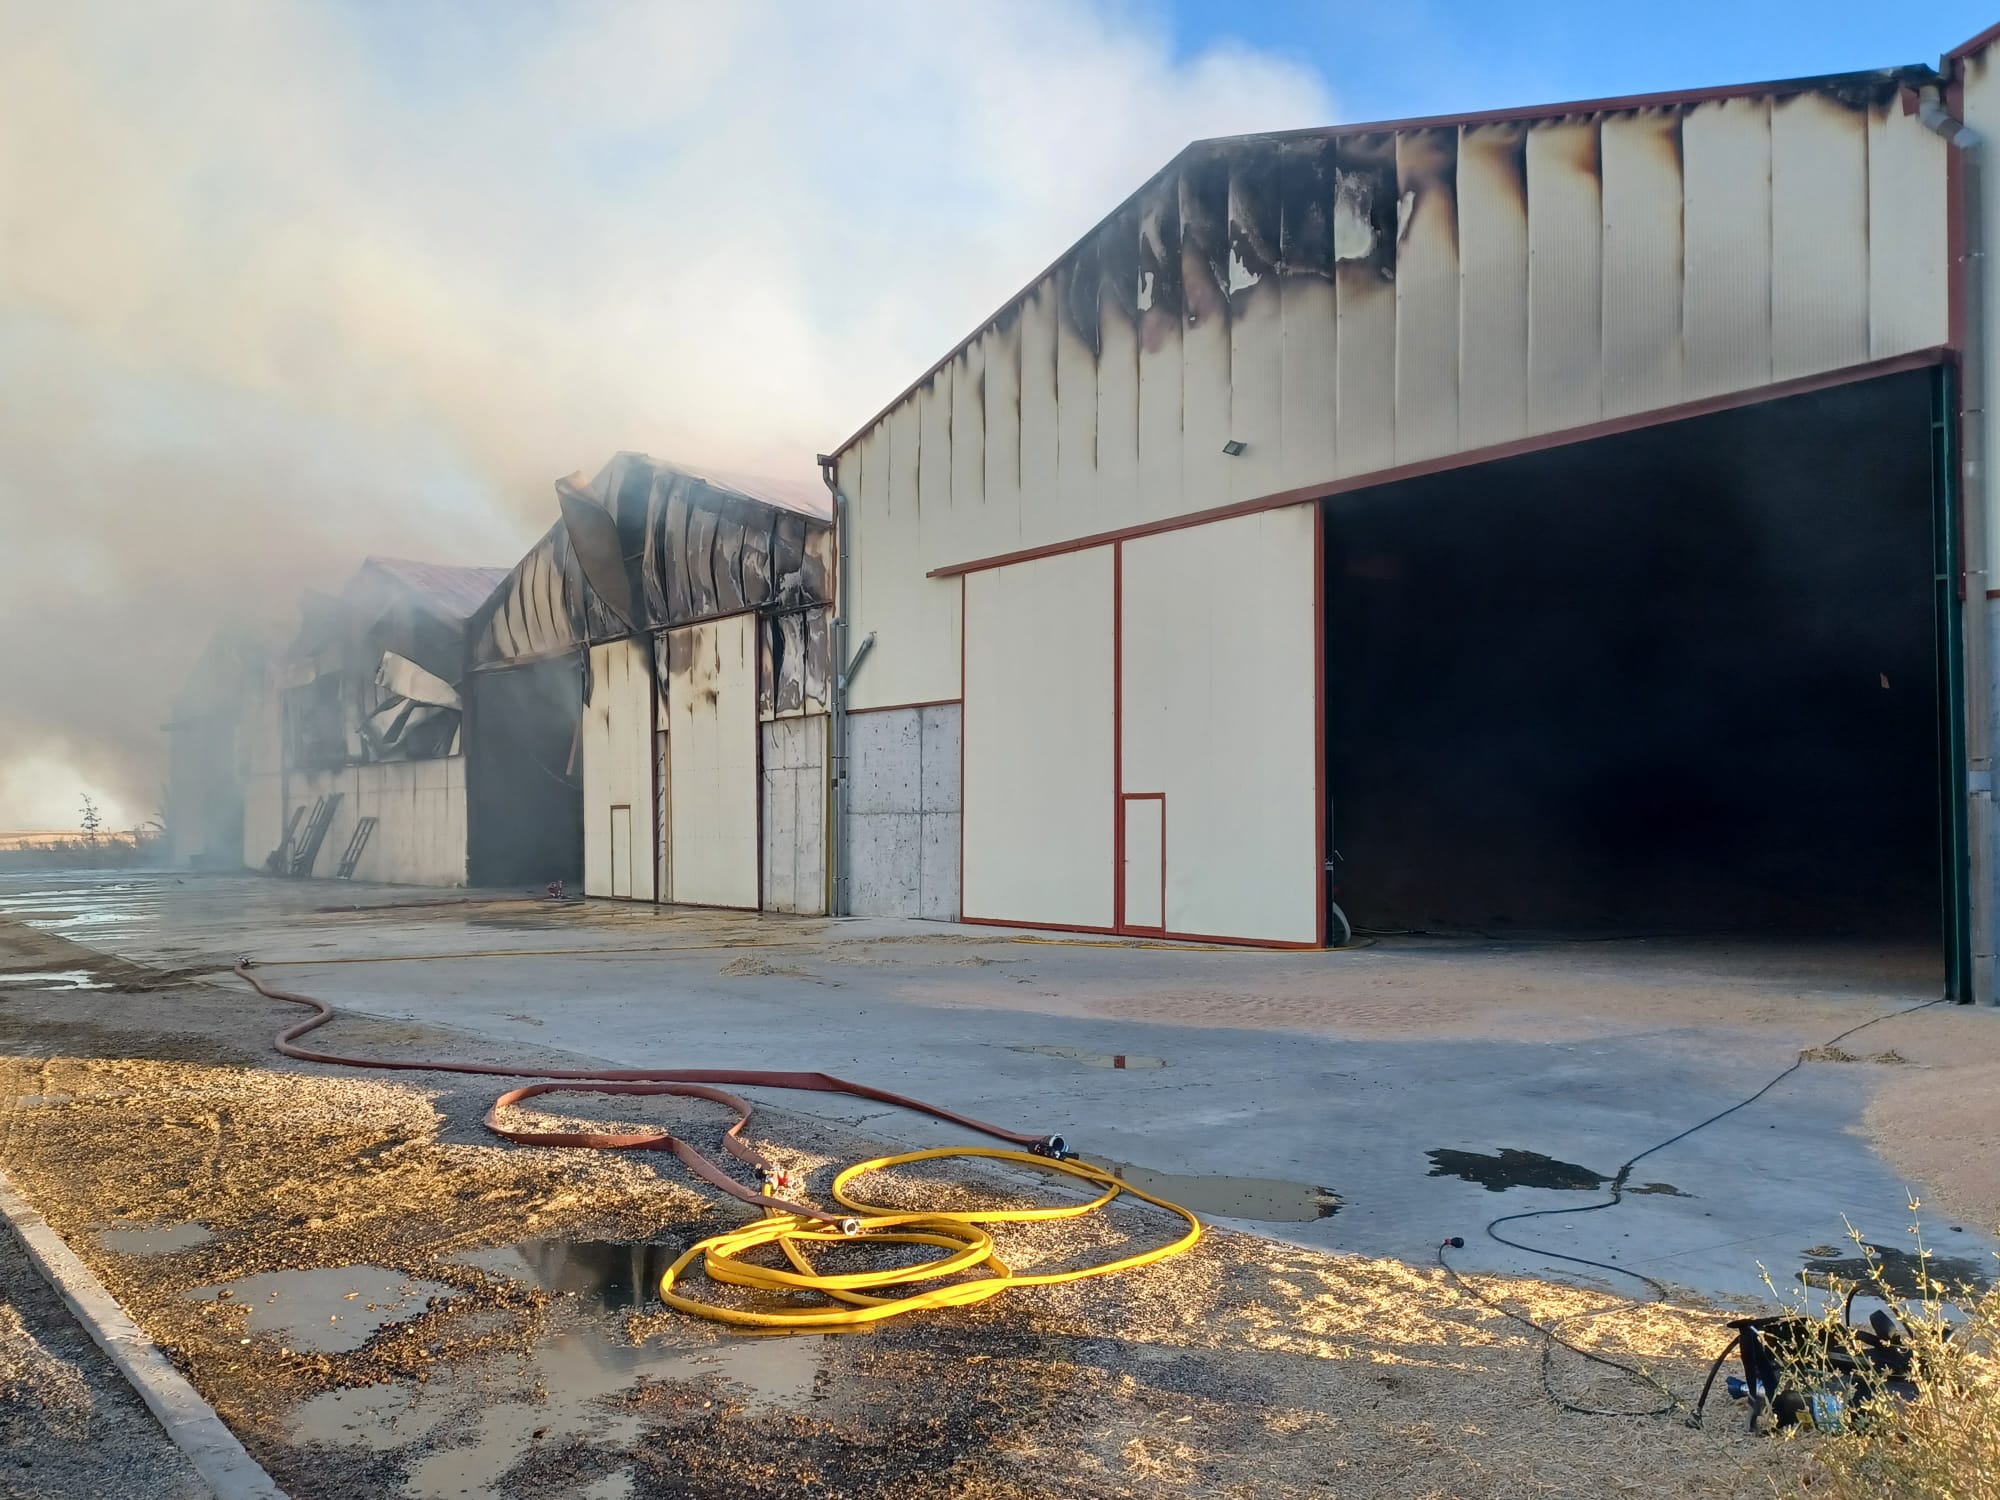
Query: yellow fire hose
(968,1249)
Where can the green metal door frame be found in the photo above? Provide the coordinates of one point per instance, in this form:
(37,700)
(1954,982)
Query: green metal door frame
(1948,569)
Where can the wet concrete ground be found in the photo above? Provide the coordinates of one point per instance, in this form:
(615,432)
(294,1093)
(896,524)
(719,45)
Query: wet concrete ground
(384,1302)
(1303,1081)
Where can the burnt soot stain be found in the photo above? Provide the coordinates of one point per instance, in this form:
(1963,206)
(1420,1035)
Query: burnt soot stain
(1510,1168)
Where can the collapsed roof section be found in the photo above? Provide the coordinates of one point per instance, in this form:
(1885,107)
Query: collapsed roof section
(647,545)
(373,673)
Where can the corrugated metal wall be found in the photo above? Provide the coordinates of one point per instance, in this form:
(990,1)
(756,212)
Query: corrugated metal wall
(1344,304)
(419,808)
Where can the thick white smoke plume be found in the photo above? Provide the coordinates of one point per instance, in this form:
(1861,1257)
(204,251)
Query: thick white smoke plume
(284,282)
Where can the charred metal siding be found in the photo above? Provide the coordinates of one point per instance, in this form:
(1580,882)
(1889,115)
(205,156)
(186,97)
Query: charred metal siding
(1349,301)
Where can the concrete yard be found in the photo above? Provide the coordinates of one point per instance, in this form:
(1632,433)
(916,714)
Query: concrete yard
(1297,1097)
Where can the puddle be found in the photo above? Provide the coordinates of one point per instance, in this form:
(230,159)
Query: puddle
(1900,1269)
(1096,1059)
(375,1417)
(581,1375)
(326,1312)
(82,919)
(1262,1198)
(154,1240)
(616,1274)
(58,979)
(1508,1168)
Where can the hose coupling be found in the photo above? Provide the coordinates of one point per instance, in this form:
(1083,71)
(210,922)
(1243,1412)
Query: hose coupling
(246,962)
(1054,1148)
(777,1179)
(850,1227)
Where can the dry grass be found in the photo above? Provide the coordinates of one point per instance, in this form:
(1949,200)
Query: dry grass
(1944,1444)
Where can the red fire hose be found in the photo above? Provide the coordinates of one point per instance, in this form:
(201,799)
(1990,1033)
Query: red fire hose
(687,1082)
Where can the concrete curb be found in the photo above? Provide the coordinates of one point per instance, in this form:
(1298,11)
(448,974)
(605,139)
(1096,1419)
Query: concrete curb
(228,1470)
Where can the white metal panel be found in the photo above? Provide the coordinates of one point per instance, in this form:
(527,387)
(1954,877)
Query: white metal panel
(1493,286)
(1217,709)
(1309,422)
(968,454)
(1819,236)
(1038,413)
(1907,252)
(1117,501)
(618,771)
(914,618)
(899,542)
(1642,260)
(1161,382)
(1254,414)
(1000,529)
(1726,160)
(1076,424)
(1486,283)
(1427,298)
(1565,276)
(937,538)
(419,808)
(1143,859)
(1365,365)
(712,761)
(1037,737)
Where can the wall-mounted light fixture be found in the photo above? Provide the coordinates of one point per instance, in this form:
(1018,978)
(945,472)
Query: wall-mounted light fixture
(1233,448)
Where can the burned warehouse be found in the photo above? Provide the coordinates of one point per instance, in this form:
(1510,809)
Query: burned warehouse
(1554,521)
(1549,521)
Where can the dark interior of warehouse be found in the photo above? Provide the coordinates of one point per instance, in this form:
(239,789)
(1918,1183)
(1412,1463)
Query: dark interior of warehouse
(523,775)
(1679,680)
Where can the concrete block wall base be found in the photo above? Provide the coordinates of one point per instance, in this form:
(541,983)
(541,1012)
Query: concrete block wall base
(227,1469)
(902,814)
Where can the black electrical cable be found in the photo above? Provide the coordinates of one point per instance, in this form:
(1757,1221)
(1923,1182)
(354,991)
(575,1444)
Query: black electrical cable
(1551,1332)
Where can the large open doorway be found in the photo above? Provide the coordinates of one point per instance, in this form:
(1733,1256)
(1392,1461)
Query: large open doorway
(1678,680)
(524,786)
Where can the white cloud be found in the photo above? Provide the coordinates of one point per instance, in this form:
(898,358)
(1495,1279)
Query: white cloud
(284,283)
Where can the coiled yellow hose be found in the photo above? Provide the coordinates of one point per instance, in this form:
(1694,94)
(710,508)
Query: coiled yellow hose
(871,1296)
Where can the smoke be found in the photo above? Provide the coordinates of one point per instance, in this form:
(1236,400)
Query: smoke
(283,283)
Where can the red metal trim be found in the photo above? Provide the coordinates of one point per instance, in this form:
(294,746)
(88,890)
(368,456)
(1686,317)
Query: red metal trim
(1133,927)
(1039,926)
(1783,88)
(1971,45)
(1282,945)
(1118,742)
(1921,359)
(1319,727)
(892,708)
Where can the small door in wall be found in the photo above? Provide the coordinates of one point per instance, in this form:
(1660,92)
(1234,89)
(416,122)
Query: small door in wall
(1145,862)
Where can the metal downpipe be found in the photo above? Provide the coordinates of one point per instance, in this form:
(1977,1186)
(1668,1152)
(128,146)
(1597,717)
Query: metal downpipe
(1967,147)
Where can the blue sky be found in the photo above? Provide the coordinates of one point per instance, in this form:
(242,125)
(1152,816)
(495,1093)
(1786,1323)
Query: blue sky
(1421,57)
